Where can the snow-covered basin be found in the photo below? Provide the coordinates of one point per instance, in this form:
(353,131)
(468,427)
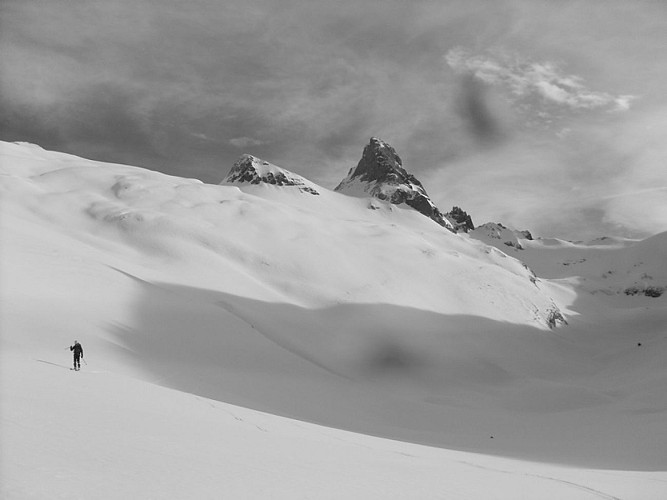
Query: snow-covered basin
(181,341)
(96,434)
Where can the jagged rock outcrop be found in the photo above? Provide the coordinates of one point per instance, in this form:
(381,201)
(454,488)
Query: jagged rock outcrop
(555,318)
(252,170)
(649,291)
(495,234)
(460,219)
(380,174)
(526,234)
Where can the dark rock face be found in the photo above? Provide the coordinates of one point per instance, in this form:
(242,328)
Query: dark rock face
(494,233)
(380,162)
(649,291)
(252,170)
(527,235)
(555,318)
(460,219)
(380,173)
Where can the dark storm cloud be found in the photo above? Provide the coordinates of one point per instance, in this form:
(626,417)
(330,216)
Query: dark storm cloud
(101,121)
(186,87)
(107,113)
(474,108)
(23,123)
(198,76)
(348,132)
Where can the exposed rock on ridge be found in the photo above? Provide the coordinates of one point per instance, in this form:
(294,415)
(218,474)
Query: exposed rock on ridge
(252,170)
(494,233)
(380,174)
(460,219)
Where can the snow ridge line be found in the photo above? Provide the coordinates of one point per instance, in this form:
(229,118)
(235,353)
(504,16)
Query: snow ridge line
(593,491)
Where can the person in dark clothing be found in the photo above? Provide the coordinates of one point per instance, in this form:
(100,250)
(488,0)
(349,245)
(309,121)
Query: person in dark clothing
(78,354)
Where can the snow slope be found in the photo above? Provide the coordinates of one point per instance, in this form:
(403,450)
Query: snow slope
(608,266)
(344,312)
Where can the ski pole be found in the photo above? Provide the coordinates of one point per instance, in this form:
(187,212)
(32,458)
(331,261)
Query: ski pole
(85,362)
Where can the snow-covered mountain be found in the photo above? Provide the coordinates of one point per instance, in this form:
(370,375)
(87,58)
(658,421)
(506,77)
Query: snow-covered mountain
(252,170)
(614,268)
(198,305)
(500,236)
(380,174)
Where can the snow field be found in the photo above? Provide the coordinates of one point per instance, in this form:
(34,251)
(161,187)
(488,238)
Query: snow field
(374,321)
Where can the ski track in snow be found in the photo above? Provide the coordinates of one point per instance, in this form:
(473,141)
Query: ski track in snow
(233,311)
(578,486)
(283,345)
(54,364)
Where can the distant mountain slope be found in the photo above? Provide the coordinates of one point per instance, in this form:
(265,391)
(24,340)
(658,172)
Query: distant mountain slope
(252,170)
(612,267)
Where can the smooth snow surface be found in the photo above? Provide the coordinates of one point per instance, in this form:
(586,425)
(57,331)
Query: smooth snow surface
(218,320)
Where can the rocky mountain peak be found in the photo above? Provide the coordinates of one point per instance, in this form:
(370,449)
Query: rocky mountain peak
(460,219)
(249,169)
(380,174)
(379,162)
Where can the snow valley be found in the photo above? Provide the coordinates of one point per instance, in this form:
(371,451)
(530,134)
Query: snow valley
(271,338)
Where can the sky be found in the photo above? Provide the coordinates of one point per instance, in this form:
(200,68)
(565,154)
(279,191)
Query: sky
(543,115)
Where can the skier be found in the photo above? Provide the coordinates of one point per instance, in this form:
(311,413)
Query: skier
(78,353)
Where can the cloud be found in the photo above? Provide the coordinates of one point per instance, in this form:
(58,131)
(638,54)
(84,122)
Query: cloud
(600,178)
(480,113)
(181,87)
(244,142)
(540,83)
(636,196)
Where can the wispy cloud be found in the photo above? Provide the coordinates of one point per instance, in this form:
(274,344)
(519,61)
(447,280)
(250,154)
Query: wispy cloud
(245,142)
(545,83)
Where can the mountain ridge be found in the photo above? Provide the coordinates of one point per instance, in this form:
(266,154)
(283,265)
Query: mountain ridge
(334,247)
(380,174)
(252,170)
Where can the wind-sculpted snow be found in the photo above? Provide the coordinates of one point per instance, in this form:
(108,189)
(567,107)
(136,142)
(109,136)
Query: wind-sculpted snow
(324,250)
